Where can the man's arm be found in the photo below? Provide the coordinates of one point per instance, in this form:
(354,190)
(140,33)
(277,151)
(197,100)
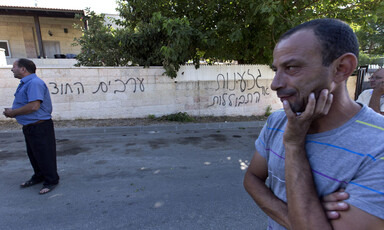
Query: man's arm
(300,184)
(356,219)
(304,207)
(26,109)
(254,183)
(374,102)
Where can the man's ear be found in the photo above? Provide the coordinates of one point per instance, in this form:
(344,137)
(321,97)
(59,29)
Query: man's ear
(344,66)
(23,70)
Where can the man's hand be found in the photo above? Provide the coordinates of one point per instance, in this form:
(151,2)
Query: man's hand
(333,204)
(8,112)
(299,124)
(26,109)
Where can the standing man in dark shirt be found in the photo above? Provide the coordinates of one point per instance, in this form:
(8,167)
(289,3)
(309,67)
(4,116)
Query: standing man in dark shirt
(32,108)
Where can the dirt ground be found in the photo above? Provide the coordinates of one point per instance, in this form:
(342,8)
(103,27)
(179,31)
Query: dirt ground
(11,124)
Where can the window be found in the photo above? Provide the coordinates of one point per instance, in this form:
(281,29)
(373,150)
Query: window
(51,48)
(5,45)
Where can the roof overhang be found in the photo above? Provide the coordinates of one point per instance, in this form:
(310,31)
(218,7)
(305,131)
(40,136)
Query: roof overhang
(41,12)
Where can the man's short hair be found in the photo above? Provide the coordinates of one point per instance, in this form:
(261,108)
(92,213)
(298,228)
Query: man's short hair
(27,64)
(335,36)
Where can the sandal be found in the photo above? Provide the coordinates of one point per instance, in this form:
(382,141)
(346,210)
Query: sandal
(29,183)
(47,188)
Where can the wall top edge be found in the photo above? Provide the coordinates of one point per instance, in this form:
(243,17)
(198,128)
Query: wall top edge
(134,67)
(88,67)
(226,65)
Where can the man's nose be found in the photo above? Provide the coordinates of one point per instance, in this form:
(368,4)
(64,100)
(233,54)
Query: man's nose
(278,81)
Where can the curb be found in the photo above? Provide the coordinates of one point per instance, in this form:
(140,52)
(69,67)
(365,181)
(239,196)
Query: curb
(149,128)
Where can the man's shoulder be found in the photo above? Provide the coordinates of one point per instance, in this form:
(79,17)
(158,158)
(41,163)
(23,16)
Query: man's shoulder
(277,119)
(36,80)
(367,92)
(278,114)
(371,118)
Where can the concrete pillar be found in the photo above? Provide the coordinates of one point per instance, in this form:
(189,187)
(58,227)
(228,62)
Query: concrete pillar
(3,61)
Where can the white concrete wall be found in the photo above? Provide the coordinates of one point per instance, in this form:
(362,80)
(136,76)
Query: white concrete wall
(48,62)
(131,92)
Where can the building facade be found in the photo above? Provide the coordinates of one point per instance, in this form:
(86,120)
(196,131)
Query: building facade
(31,32)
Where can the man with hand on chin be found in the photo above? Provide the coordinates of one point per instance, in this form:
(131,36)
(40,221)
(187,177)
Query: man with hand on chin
(323,142)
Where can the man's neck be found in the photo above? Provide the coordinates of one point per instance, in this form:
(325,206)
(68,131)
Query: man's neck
(341,111)
(25,75)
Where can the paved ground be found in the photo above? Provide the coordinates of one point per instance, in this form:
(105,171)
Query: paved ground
(142,177)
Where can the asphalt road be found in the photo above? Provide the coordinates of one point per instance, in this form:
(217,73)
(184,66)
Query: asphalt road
(153,177)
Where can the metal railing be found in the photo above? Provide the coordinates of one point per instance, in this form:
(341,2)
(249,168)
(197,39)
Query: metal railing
(361,72)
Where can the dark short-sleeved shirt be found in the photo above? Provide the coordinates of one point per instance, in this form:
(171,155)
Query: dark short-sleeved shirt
(32,88)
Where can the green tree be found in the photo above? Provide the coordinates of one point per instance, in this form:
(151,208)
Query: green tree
(99,43)
(371,37)
(160,41)
(371,40)
(169,33)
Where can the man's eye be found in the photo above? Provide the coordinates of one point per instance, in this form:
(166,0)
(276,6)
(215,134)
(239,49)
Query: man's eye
(291,67)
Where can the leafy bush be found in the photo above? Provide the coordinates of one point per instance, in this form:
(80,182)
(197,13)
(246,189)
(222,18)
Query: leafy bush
(151,116)
(268,111)
(180,117)
(366,59)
